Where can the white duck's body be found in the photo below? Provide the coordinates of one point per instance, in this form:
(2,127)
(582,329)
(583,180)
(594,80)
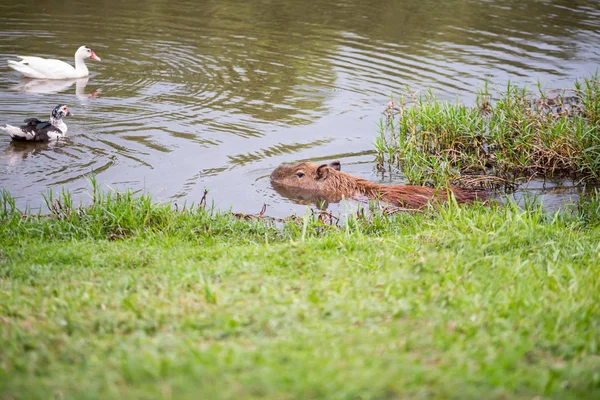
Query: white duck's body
(44,68)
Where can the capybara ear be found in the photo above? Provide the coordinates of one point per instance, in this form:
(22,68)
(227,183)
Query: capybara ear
(322,172)
(336,165)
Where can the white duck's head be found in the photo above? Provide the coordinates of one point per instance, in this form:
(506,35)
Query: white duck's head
(85,52)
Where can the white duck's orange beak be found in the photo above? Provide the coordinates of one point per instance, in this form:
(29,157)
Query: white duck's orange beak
(95,57)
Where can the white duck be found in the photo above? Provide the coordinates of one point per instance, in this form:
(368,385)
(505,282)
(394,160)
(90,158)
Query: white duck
(44,68)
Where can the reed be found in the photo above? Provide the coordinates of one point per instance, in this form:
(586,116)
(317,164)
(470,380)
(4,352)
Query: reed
(519,134)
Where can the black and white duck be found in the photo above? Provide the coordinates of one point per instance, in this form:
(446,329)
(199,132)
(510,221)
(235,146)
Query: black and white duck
(41,131)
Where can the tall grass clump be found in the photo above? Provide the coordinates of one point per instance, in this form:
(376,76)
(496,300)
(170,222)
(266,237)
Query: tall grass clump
(120,215)
(114,216)
(519,134)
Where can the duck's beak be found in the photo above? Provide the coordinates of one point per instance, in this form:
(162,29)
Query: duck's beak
(95,57)
(69,113)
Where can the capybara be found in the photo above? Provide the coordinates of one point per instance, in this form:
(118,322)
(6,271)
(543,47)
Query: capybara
(328,182)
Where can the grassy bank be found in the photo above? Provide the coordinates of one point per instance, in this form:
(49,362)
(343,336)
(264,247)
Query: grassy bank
(130,299)
(512,135)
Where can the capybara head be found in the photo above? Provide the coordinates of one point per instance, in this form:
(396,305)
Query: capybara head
(305,176)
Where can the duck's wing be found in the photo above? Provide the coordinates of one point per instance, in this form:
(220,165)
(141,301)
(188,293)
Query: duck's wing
(37,67)
(32,123)
(37,131)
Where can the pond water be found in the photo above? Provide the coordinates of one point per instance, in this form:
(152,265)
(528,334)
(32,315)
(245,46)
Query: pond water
(215,94)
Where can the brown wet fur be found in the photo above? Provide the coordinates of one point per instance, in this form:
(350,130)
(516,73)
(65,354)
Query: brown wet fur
(327,181)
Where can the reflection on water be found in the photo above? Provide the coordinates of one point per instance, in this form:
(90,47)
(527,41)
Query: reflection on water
(17,152)
(56,85)
(218,94)
(552,194)
(304,197)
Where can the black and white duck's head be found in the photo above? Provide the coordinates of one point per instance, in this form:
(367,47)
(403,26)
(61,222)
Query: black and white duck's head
(60,111)
(85,52)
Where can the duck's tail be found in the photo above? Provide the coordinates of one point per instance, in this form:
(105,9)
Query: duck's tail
(16,65)
(17,133)
(22,67)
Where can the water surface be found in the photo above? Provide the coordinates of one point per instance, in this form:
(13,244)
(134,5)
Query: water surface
(215,94)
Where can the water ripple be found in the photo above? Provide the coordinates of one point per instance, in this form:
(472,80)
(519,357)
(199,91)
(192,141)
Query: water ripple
(217,94)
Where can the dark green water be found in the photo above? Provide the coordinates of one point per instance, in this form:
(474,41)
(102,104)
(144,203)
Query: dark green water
(216,94)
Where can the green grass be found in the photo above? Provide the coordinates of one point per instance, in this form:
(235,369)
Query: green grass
(517,135)
(125,298)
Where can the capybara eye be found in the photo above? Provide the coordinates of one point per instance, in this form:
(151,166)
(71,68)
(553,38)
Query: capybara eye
(300,174)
